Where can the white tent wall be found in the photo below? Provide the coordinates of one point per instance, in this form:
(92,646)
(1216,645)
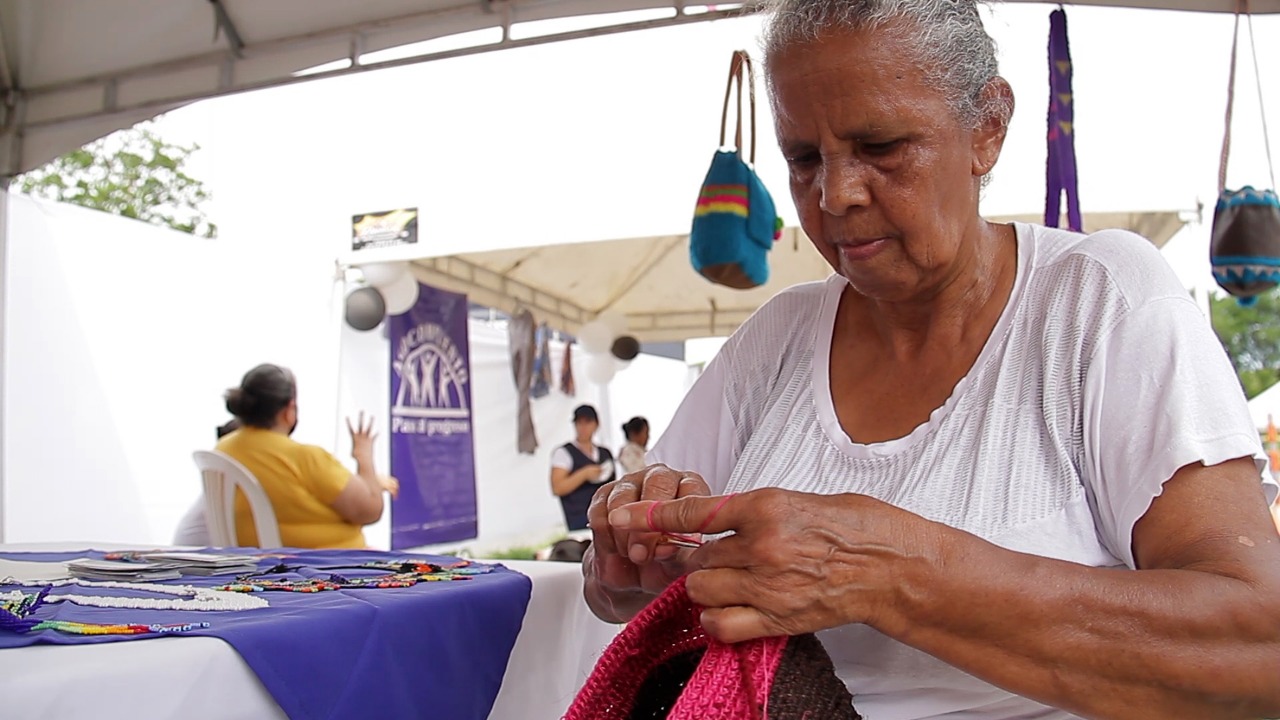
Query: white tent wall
(1265,406)
(514,501)
(121,338)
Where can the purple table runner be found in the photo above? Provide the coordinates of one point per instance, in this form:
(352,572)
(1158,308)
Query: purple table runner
(438,649)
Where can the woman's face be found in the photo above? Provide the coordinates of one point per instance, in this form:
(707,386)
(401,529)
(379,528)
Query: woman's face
(884,176)
(585,428)
(642,437)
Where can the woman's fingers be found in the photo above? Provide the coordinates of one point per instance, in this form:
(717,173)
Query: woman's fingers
(685,515)
(625,556)
(623,492)
(738,623)
(692,484)
(598,520)
(660,483)
(361,428)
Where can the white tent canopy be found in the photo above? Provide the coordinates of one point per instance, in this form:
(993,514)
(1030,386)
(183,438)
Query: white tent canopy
(1265,407)
(75,70)
(651,282)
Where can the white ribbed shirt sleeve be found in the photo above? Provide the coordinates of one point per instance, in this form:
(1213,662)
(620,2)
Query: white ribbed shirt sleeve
(701,436)
(1159,394)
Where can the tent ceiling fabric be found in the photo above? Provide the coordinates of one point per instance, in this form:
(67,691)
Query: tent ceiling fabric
(83,68)
(75,70)
(651,281)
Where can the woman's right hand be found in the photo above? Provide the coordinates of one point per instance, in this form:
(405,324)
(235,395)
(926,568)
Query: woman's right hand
(362,437)
(625,569)
(591,472)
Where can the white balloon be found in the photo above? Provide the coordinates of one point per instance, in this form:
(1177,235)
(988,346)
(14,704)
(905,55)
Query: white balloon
(401,295)
(384,274)
(600,369)
(595,337)
(616,322)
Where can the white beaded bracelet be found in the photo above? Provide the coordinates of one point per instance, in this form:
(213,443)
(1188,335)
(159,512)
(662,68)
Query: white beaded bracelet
(192,598)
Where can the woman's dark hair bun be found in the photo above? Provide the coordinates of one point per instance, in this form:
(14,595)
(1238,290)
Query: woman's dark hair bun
(263,393)
(236,402)
(633,426)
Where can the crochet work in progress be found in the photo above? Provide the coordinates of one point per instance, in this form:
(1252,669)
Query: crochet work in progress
(663,666)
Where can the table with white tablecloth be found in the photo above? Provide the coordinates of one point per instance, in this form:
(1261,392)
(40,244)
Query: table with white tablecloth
(203,677)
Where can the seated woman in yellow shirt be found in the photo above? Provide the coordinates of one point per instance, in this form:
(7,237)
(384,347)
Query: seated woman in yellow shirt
(318,502)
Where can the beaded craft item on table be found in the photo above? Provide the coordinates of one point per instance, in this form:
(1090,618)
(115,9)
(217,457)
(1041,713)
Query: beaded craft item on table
(142,555)
(17,611)
(188,597)
(401,574)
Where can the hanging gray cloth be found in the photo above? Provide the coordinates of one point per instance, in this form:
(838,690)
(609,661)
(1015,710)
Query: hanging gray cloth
(542,366)
(521,332)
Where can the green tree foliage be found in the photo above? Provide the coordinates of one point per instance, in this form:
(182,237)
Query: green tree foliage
(1251,336)
(134,173)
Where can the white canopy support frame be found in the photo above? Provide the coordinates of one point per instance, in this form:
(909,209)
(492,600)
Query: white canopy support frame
(651,281)
(74,70)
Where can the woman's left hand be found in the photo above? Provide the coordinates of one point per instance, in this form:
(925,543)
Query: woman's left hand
(797,562)
(391,485)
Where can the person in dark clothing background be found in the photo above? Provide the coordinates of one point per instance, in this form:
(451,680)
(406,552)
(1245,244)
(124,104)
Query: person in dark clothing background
(578,467)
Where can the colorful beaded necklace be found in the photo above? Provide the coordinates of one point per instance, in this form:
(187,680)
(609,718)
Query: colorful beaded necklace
(17,609)
(403,573)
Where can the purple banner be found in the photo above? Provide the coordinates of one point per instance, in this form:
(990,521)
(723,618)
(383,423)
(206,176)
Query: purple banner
(432,454)
(1061,167)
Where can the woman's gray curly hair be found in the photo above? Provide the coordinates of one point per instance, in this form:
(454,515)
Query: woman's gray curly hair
(946,35)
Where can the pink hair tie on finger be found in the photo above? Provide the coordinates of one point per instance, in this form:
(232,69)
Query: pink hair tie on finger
(689,541)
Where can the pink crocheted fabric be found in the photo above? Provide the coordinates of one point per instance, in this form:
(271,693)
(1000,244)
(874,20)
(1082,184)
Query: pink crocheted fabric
(664,666)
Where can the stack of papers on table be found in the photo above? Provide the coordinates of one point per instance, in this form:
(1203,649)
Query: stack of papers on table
(121,571)
(162,566)
(191,563)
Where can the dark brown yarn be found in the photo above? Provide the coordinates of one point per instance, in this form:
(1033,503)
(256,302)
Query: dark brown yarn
(805,686)
(660,690)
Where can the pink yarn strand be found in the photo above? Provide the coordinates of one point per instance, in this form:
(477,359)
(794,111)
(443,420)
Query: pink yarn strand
(688,539)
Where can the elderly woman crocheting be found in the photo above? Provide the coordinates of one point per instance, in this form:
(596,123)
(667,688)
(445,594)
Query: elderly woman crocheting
(1003,471)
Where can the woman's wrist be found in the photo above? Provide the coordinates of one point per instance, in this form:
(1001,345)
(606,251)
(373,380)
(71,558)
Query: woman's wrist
(922,575)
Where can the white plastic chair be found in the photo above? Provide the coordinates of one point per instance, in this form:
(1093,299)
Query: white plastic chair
(221,476)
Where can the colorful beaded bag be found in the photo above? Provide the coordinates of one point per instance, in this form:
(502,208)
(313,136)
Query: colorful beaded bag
(663,666)
(735,222)
(1244,247)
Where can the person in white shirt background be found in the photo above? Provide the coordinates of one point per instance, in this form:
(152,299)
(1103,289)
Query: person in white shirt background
(1003,471)
(578,467)
(631,456)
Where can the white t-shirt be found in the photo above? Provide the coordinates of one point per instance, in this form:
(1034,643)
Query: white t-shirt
(631,458)
(1100,380)
(192,529)
(560,457)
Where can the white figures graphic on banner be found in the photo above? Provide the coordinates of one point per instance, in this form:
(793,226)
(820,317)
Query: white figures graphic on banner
(433,373)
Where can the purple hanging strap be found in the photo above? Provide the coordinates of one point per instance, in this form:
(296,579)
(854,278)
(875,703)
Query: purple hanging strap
(1061,167)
